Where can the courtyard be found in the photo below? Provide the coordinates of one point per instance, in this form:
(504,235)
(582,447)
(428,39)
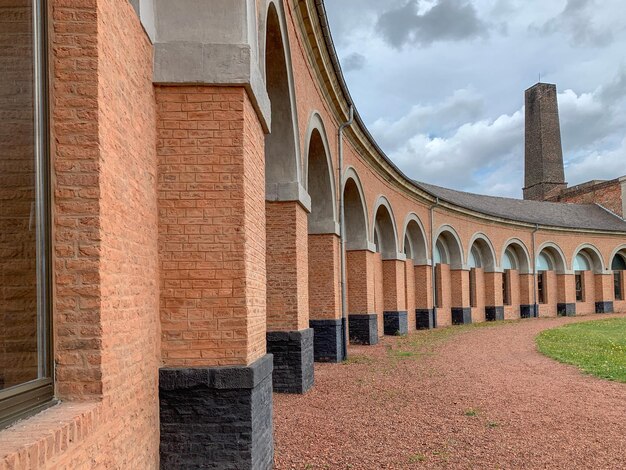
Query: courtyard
(476,396)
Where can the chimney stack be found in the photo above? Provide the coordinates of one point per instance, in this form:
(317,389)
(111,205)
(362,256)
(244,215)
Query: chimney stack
(544,174)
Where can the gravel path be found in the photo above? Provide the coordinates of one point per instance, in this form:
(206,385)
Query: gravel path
(468,397)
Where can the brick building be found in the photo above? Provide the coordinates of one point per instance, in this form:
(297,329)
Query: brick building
(172,173)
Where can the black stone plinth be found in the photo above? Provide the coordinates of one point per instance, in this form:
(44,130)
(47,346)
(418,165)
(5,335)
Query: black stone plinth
(425,318)
(327,340)
(494,313)
(293,360)
(566,310)
(604,307)
(461,315)
(363,329)
(528,311)
(217,417)
(396,323)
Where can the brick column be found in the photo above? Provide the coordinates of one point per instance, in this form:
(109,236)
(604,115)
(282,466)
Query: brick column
(325,297)
(527,307)
(604,292)
(289,337)
(461,310)
(215,386)
(425,317)
(443,312)
(362,318)
(494,303)
(566,297)
(478,309)
(394,297)
(409,282)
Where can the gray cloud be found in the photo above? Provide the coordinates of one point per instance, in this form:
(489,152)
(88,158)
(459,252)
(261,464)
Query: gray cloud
(354,61)
(576,20)
(447,20)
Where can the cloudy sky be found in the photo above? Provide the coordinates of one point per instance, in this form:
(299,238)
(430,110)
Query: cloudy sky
(440,83)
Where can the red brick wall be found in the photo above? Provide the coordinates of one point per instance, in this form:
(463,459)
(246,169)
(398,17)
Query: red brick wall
(360,277)
(423,287)
(394,289)
(478,312)
(512,311)
(444,292)
(324,277)
(608,194)
(379,291)
(287,267)
(409,282)
(211,226)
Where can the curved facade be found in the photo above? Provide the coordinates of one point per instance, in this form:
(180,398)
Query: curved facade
(197,234)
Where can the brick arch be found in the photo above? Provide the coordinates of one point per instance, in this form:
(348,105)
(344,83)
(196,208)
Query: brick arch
(486,250)
(283,175)
(556,254)
(593,254)
(384,230)
(521,253)
(452,241)
(356,214)
(319,179)
(415,235)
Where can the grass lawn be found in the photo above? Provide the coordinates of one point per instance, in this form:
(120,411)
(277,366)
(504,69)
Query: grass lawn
(596,347)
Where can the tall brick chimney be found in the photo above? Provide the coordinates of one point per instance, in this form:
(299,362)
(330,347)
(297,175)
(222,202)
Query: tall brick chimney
(544,174)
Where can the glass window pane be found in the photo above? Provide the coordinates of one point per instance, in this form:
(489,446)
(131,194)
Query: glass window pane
(581,263)
(619,263)
(543,263)
(21,224)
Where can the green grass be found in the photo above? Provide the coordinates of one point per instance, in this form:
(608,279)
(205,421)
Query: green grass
(596,347)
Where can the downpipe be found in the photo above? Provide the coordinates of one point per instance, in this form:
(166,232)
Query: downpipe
(342,232)
(535,306)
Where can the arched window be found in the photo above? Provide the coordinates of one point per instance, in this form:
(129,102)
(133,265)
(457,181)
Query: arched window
(581,264)
(618,266)
(544,262)
(25,359)
(509,261)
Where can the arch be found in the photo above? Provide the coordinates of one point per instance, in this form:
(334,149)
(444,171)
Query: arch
(518,248)
(282,147)
(618,251)
(415,236)
(481,243)
(384,229)
(592,254)
(451,242)
(319,177)
(556,255)
(355,210)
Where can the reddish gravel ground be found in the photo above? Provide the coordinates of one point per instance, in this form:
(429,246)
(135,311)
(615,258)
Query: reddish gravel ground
(462,397)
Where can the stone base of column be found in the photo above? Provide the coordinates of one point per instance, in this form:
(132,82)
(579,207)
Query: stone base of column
(494,313)
(528,311)
(566,310)
(363,328)
(327,340)
(217,417)
(425,318)
(461,315)
(604,307)
(396,323)
(293,360)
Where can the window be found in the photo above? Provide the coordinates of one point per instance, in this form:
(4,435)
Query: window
(472,287)
(618,286)
(541,288)
(25,367)
(580,286)
(506,287)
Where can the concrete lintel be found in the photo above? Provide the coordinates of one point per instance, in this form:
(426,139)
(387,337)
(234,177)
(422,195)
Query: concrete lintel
(193,63)
(327,227)
(145,12)
(395,257)
(283,192)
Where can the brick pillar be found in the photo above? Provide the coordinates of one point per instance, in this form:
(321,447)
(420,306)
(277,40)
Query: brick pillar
(425,317)
(460,296)
(512,309)
(215,386)
(478,309)
(527,307)
(362,318)
(325,297)
(566,295)
(494,303)
(604,293)
(289,337)
(409,282)
(394,297)
(379,292)
(443,279)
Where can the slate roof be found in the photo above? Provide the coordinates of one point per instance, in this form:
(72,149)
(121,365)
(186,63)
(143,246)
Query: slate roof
(557,214)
